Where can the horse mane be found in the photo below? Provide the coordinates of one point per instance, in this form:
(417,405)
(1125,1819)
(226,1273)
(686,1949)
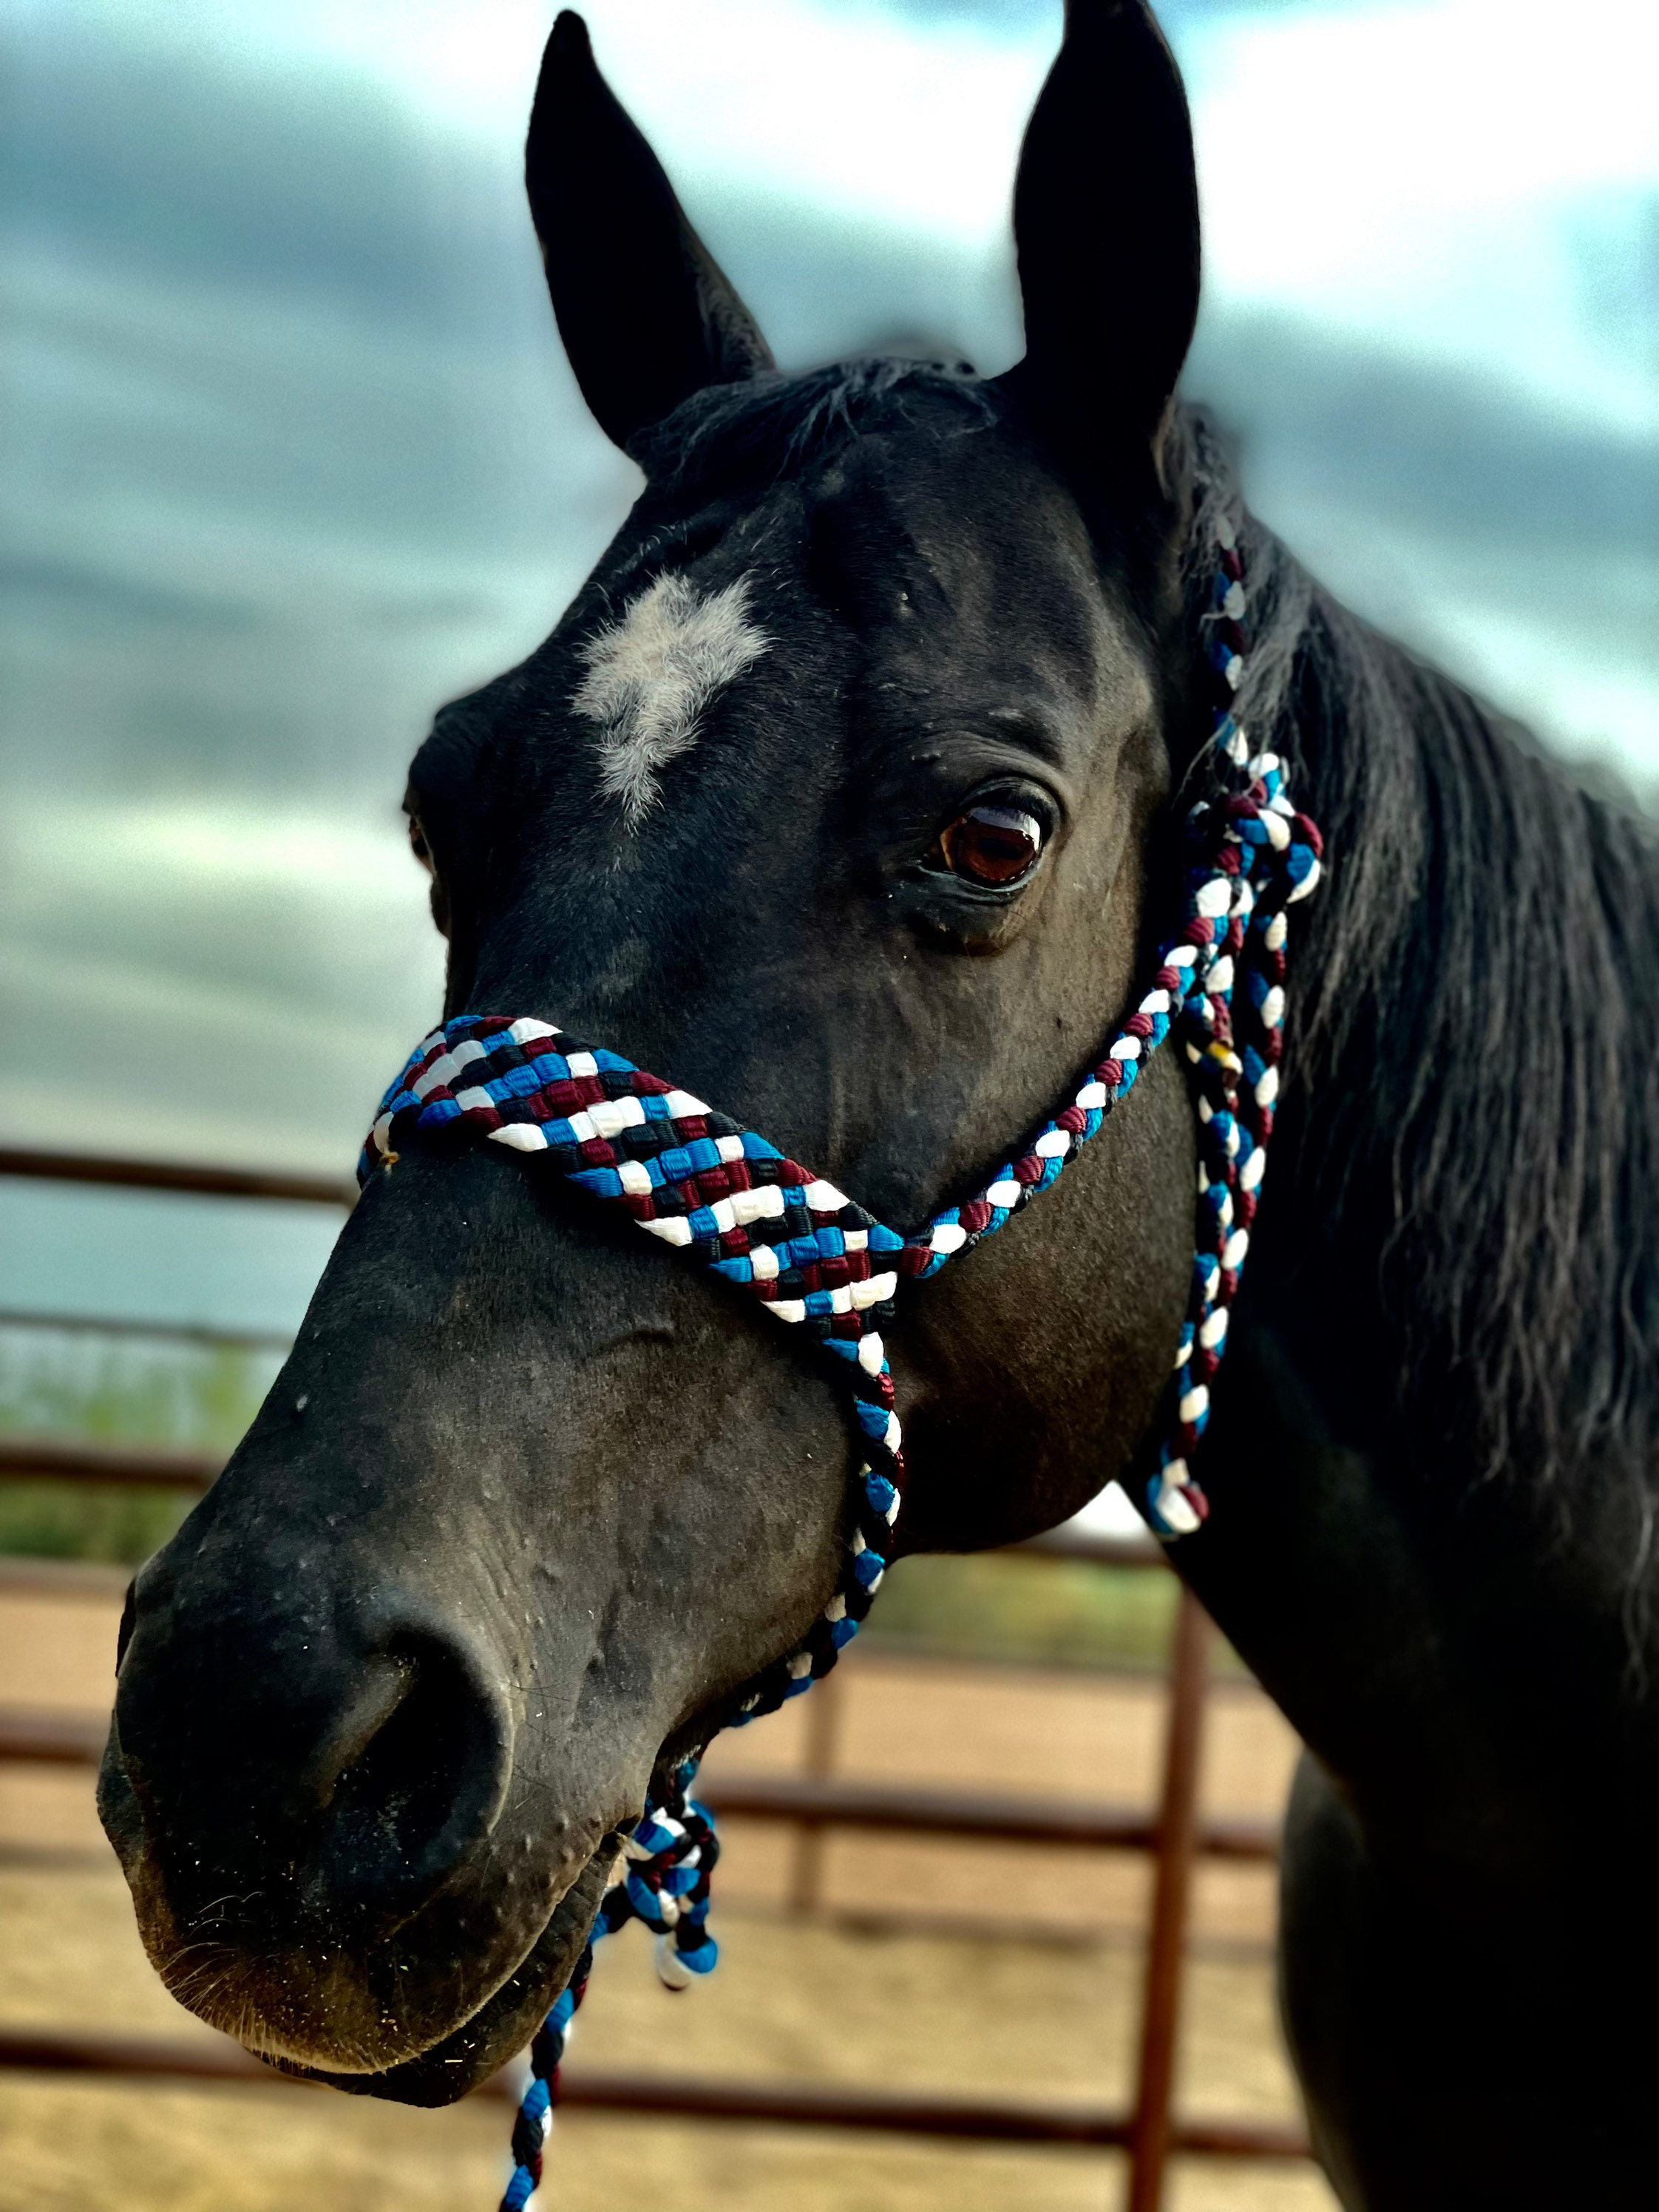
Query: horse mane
(767,425)
(1479,1088)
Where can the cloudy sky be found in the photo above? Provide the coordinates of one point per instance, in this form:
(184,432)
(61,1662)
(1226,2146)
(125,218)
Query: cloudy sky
(296,458)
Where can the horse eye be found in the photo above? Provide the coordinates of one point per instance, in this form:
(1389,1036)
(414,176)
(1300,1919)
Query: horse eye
(994,846)
(417,843)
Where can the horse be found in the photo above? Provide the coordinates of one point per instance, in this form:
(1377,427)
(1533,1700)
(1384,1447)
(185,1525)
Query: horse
(848,790)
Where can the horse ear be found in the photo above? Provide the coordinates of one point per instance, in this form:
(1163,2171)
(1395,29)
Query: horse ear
(645,312)
(1106,224)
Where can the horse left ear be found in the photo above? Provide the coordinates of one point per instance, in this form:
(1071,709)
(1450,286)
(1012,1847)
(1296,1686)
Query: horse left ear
(1106,224)
(647,314)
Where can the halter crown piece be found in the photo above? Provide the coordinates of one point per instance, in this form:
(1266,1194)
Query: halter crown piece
(700,1180)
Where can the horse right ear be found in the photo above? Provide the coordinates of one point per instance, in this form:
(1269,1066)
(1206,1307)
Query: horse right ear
(645,312)
(1106,224)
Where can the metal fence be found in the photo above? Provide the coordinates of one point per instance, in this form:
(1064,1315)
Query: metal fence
(814,1802)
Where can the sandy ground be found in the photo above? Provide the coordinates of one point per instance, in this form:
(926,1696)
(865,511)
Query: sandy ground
(922,1999)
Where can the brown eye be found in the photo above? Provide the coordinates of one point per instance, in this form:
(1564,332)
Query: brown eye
(992,845)
(417,843)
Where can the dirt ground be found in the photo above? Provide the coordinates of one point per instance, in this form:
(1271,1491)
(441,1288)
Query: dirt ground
(912,1994)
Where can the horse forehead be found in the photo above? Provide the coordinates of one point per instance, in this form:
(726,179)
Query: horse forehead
(937,534)
(650,673)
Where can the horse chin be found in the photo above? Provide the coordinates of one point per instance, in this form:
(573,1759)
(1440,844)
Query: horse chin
(502,2026)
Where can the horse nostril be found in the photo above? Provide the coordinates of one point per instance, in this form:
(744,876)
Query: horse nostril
(410,1778)
(383,1685)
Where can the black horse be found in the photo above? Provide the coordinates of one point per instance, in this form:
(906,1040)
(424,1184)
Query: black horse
(843,793)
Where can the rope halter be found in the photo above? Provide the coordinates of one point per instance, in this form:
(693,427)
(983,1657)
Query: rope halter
(697,1180)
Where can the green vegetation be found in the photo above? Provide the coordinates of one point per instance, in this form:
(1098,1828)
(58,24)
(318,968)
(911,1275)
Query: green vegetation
(88,1520)
(1047,1611)
(129,1390)
(115,1390)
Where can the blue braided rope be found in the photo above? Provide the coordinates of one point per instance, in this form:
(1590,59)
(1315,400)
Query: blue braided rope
(669,1860)
(701,1182)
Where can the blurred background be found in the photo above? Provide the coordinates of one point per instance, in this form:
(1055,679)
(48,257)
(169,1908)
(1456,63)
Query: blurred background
(292,456)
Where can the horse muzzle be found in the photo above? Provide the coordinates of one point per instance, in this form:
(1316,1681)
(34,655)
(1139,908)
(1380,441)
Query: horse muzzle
(321,1853)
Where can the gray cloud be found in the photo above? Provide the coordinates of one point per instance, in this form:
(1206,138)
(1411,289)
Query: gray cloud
(298,459)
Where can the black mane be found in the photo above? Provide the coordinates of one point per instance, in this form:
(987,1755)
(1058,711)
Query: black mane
(1480,1089)
(769,424)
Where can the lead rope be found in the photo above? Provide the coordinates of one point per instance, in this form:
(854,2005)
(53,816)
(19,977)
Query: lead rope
(696,1179)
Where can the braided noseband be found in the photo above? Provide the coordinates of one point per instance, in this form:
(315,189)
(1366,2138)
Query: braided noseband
(698,1180)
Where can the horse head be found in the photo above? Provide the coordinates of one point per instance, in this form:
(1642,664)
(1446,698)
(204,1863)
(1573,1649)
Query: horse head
(838,796)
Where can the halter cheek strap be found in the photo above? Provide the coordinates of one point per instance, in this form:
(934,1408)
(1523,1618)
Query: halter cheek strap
(699,1181)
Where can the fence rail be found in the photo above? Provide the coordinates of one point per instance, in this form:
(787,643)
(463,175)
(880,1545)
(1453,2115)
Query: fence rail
(87,1460)
(1174,1836)
(191,1180)
(195,1334)
(604,2089)
(22,1576)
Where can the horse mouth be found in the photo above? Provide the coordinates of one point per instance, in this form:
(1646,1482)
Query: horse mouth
(504,2024)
